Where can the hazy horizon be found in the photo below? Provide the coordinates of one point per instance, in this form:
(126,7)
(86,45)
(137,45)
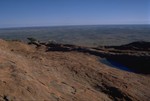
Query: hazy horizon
(86,35)
(38,26)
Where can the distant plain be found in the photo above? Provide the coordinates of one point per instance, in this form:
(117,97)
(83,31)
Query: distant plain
(86,35)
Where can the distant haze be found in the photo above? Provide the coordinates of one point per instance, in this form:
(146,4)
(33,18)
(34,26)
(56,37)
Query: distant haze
(23,13)
(82,35)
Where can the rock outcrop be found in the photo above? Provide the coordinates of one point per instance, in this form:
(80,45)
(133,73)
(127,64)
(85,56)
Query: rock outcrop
(135,55)
(62,72)
(138,46)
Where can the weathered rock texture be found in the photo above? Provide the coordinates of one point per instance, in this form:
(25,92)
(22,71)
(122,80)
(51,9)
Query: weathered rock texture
(72,74)
(135,55)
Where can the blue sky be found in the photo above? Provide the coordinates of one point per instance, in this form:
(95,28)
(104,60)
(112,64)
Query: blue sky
(23,13)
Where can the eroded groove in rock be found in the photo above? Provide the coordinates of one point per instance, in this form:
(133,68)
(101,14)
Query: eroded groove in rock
(113,92)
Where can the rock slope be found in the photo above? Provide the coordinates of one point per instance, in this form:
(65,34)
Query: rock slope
(31,73)
(135,55)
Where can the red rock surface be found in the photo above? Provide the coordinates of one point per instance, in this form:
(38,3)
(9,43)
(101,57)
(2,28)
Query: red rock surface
(30,73)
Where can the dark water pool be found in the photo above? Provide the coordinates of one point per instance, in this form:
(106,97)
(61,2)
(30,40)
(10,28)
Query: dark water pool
(114,64)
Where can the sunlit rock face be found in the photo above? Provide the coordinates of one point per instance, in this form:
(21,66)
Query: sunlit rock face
(70,73)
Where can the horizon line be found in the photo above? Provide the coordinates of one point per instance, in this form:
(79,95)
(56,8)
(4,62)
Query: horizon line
(34,26)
